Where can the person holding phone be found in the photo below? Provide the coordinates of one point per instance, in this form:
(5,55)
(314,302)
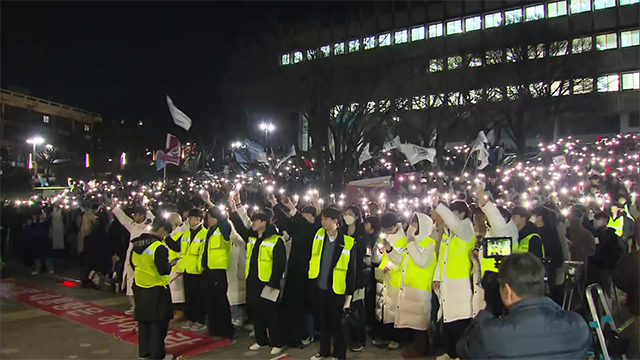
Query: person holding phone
(150,261)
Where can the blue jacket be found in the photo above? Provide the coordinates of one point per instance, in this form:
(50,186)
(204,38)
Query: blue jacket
(534,328)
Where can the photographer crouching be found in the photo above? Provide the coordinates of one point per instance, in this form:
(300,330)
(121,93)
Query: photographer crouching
(534,325)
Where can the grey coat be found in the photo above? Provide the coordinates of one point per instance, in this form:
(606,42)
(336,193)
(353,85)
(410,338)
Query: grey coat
(534,328)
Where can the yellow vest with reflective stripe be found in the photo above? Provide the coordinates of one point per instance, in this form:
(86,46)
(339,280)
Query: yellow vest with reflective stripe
(265,256)
(218,251)
(340,270)
(173,254)
(395,270)
(523,246)
(191,252)
(415,276)
(146,273)
(616,224)
(458,262)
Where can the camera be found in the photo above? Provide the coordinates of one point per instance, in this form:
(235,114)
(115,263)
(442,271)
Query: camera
(497,247)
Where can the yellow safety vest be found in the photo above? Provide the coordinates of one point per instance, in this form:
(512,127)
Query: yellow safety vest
(340,270)
(265,256)
(523,246)
(146,273)
(415,276)
(218,251)
(616,224)
(395,271)
(458,261)
(191,252)
(173,254)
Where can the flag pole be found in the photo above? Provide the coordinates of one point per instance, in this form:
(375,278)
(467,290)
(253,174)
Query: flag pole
(164,176)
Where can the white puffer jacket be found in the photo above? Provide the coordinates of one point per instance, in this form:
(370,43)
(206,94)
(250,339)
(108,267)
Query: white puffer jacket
(386,295)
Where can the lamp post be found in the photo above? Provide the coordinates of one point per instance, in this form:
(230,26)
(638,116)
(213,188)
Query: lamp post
(37,140)
(267,127)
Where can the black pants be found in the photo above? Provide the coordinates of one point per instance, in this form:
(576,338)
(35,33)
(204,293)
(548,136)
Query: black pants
(265,316)
(217,303)
(328,315)
(359,331)
(194,298)
(151,336)
(452,332)
(293,320)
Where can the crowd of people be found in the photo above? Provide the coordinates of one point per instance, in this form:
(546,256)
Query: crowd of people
(405,267)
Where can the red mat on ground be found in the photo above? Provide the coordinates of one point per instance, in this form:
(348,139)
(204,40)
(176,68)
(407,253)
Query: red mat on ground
(104,319)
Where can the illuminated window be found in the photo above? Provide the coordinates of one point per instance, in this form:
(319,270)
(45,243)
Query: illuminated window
(628,2)
(419,102)
(475,96)
(456,99)
(494,94)
(436,65)
(631,81)
(606,41)
(402,104)
(369,42)
(581,45)
(512,92)
(384,105)
(560,87)
(454,27)
(603,4)
(558,48)
(512,54)
(384,39)
(371,107)
(297,57)
(629,38)
(454,62)
(492,20)
(608,83)
(417,33)
(435,30)
(578,6)
(474,60)
(286,59)
(473,23)
(87,127)
(538,89)
(512,16)
(401,37)
(555,9)
(582,85)
(533,13)
(493,57)
(45,119)
(354,45)
(311,54)
(338,49)
(535,51)
(436,100)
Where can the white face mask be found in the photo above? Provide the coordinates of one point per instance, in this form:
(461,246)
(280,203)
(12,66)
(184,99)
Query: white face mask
(348,219)
(533,219)
(601,223)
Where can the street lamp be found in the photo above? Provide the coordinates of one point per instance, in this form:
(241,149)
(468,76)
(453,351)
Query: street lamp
(267,127)
(37,140)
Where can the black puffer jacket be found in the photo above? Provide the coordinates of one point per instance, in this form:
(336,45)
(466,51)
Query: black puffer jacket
(533,329)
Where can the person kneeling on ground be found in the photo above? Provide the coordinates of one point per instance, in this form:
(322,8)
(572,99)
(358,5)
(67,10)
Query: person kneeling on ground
(534,326)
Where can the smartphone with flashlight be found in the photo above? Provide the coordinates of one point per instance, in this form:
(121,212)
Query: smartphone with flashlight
(495,247)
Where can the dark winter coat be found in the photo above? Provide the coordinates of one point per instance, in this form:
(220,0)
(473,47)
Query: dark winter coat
(360,254)
(152,304)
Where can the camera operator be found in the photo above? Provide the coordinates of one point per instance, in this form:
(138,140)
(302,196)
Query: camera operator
(534,326)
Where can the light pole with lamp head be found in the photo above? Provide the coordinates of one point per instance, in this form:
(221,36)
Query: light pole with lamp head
(267,127)
(37,140)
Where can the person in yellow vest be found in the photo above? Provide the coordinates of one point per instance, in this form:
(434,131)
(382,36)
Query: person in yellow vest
(620,221)
(332,269)
(415,257)
(215,262)
(452,277)
(176,279)
(190,263)
(266,262)
(150,261)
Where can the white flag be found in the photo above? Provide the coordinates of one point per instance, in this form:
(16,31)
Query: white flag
(291,153)
(481,148)
(365,155)
(179,118)
(393,144)
(415,153)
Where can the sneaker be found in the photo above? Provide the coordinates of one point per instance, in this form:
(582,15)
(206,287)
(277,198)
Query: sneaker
(188,325)
(393,345)
(198,327)
(357,348)
(34,272)
(318,357)
(129,311)
(307,341)
(276,350)
(236,322)
(256,347)
(168,357)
